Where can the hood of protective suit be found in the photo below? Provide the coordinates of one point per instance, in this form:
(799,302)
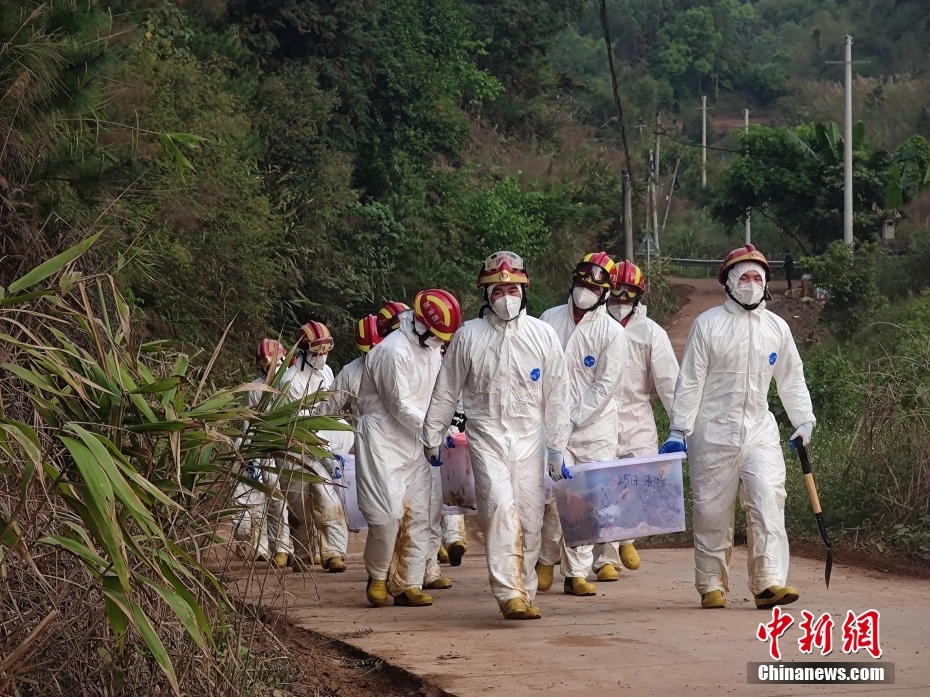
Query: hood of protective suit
(596,354)
(651,364)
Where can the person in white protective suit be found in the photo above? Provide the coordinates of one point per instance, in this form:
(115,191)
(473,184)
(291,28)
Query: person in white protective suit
(453,540)
(733,444)
(651,364)
(302,382)
(395,482)
(596,351)
(263,520)
(510,371)
(343,398)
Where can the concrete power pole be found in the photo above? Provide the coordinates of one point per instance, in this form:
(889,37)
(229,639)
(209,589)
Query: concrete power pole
(748,214)
(627,216)
(848,151)
(656,186)
(704,142)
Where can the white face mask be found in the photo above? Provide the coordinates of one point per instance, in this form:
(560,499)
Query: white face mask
(620,312)
(434,342)
(748,293)
(585,298)
(507,307)
(319,362)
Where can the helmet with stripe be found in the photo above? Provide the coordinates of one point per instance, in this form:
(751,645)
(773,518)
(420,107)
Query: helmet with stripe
(438,311)
(389,317)
(747,253)
(626,273)
(269,352)
(366,333)
(503,267)
(594,270)
(315,337)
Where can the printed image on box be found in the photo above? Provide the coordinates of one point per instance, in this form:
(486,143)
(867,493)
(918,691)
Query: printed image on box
(355,521)
(622,499)
(458,480)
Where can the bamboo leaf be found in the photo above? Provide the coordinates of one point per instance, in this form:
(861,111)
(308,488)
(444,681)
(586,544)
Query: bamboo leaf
(53,265)
(185,593)
(96,563)
(117,606)
(181,609)
(154,644)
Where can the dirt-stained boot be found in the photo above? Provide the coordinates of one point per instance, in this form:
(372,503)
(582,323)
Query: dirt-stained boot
(608,573)
(377,592)
(776,595)
(629,557)
(442,556)
(456,552)
(334,565)
(544,576)
(413,597)
(579,586)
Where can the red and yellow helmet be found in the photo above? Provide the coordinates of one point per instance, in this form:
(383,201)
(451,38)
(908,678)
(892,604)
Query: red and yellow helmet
(315,338)
(503,267)
(626,273)
(366,333)
(269,352)
(594,270)
(747,253)
(439,311)
(388,317)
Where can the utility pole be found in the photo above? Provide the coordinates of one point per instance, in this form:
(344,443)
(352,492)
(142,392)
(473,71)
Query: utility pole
(748,213)
(658,144)
(848,144)
(847,151)
(671,191)
(654,193)
(627,216)
(704,141)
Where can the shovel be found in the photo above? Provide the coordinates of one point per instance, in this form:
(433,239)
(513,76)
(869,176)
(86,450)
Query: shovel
(815,504)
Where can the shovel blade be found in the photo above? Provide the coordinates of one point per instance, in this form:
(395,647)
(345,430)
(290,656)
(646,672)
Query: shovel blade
(829,569)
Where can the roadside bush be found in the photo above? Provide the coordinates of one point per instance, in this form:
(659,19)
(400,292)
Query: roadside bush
(851,279)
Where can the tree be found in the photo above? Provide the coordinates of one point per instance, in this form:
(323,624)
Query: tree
(795,177)
(689,48)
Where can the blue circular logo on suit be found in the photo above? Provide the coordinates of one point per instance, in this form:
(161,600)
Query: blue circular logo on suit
(772,358)
(535,374)
(589,361)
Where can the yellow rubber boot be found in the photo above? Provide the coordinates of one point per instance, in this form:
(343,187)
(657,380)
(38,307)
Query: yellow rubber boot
(438,584)
(413,597)
(456,552)
(516,609)
(533,613)
(544,574)
(377,592)
(280,559)
(629,557)
(608,573)
(442,556)
(240,552)
(713,601)
(334,565)
(776,595)
(579,586)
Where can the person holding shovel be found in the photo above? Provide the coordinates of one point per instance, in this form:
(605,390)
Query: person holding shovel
(721,406)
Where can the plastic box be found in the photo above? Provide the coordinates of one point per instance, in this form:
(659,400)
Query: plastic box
(458,480)
(355,521)
(622,499)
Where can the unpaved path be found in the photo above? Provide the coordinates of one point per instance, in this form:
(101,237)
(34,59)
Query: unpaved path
(644,635)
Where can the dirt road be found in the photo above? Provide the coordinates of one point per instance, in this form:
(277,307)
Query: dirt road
(644,635)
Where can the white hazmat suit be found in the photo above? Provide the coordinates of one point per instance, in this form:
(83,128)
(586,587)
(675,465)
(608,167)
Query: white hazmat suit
(512,379)
(651,363)
(321,502)
(734,446)
(395,482)
(345,388)
(596,352)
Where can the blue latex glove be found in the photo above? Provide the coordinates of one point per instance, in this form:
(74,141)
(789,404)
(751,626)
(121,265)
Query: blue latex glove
(674,444)
(556,464)
(252,471)
(804,432)
(450,443)
(334,465)
(432,456)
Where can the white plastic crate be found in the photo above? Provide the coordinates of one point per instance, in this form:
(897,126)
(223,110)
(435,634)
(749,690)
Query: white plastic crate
(349,495)
(622,499)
